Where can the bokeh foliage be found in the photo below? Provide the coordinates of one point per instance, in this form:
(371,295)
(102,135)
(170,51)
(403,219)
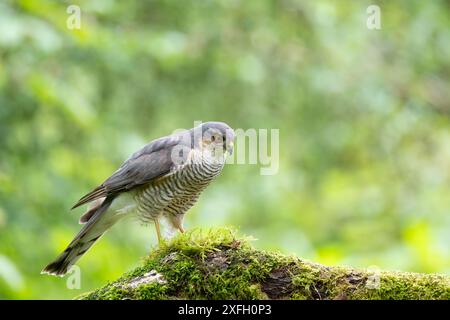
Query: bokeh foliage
(363,116)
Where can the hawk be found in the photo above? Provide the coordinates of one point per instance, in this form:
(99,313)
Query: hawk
(162,180)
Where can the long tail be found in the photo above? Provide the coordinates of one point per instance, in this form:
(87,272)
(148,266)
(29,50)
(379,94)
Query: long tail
(95,227)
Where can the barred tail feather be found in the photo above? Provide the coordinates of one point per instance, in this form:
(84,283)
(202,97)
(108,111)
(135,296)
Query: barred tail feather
(70,256)
(91,232)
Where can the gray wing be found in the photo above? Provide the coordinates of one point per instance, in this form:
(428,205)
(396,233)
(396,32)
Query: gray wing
(151,162)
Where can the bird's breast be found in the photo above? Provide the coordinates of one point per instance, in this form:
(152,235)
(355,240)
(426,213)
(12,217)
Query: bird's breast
(176,192)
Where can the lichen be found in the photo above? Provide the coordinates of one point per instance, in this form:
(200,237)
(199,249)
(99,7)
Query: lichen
(217,264)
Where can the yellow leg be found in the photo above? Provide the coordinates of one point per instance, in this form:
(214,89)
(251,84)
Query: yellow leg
(158,231)
(180,227)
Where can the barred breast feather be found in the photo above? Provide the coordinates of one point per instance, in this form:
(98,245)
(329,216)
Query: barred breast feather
(177,192)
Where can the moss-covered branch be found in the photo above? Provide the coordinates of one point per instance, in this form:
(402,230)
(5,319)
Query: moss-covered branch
(218,265)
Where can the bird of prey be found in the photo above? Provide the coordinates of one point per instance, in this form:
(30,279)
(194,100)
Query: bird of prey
(162,180)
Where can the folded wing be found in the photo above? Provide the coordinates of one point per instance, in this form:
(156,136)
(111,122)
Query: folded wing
(151,162)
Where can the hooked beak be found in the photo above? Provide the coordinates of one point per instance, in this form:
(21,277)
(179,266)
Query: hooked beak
(230,148)
(228,142)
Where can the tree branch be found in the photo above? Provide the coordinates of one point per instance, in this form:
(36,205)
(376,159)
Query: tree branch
(218,265)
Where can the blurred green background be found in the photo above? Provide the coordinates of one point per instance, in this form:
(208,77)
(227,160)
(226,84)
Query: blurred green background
(364,120)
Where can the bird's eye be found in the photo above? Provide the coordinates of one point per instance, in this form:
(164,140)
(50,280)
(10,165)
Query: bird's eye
(213,138)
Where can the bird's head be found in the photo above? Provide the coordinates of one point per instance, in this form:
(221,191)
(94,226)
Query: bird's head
(217,139)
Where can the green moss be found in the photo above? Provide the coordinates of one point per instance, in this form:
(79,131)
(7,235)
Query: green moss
(111,292)
(152,291)
(201,242)
(217,264)
(409,286)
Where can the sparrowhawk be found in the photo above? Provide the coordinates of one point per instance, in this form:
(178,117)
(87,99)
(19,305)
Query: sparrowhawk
(161,180)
